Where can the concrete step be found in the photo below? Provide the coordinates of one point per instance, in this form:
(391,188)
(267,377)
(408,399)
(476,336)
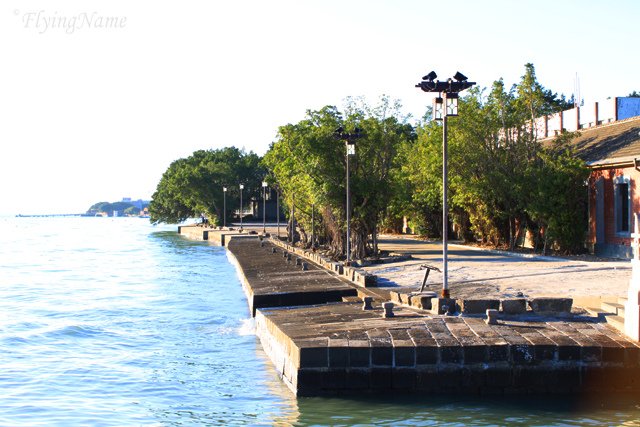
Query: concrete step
(617,322)
(613,307)
(599,312)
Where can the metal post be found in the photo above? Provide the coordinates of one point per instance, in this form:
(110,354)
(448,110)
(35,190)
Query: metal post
(278,212)
(224,207)
(450,88)
(264,210)
(445,211)
(348,215)
(313,226)
(241,186)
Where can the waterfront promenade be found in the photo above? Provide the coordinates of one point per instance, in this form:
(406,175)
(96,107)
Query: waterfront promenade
(328,347)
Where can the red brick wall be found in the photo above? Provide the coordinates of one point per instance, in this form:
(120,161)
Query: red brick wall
(609,215)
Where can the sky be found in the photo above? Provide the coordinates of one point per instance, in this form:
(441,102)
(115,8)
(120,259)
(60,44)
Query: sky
(98,98)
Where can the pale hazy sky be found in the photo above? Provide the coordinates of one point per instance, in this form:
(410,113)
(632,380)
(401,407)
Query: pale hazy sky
(98,98)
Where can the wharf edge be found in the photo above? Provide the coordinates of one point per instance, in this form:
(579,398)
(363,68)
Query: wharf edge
(328,347)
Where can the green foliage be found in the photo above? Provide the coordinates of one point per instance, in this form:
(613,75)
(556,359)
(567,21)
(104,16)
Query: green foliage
(501,179)
(558,198)
(193,185)
(308,162)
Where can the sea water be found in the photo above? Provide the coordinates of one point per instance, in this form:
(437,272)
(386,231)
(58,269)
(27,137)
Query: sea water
(115,322)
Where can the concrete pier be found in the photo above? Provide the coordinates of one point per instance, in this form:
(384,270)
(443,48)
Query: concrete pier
(274,279)
(337,348)
(320,345)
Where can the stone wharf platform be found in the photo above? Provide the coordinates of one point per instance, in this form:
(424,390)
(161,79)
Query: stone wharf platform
(315,324)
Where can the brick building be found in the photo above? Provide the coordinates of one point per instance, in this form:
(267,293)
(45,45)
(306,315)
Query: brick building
(612,152)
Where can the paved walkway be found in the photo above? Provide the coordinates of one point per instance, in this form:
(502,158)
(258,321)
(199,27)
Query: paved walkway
(491,273)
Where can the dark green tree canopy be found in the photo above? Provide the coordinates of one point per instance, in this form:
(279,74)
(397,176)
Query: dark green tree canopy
(193,185)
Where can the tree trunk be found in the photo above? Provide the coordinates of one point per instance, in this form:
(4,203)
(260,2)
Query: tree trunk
(511,233)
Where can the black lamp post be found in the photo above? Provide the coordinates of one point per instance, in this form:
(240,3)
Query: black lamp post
(264,207)
(241,188)
(313,226)
(224,207)
(350,143)
(445,104)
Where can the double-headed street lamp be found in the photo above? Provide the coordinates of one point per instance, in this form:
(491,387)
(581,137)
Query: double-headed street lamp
(224,207)
(264,207)
(445,104)
(350,143)
(241,188)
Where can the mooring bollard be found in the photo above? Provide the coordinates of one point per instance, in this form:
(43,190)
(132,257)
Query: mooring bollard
(388,309)
(367,303)
(492,316)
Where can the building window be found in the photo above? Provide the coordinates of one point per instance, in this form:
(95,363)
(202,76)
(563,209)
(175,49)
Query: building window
(622,195)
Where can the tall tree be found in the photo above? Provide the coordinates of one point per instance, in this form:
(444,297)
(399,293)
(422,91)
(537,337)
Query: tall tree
(497,165)
(193,185)
(308,161)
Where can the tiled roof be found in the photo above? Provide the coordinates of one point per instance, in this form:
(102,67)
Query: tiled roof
(608,143)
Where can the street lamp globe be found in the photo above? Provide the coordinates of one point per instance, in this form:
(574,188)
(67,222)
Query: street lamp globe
(438,108)
(452,104)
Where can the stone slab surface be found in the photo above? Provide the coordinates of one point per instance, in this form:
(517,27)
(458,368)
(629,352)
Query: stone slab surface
(273,280)
(327,345)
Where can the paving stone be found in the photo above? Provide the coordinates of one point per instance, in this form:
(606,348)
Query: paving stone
(551,305)
(591,354)
(475,354)
(441,305)
(427,354)
(404,353)
(513,306)
(478,306)
(381,348)
(313,354)
(498,353)
(451,353)
(359,353)
(522,354)
(569,352)
(338,353)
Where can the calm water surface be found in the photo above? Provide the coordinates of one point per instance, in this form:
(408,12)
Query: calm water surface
(113,322)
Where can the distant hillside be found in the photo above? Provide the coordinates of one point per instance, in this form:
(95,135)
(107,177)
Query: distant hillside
(126,207)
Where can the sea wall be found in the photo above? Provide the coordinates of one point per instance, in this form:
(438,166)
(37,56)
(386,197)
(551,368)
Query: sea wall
(322,339)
